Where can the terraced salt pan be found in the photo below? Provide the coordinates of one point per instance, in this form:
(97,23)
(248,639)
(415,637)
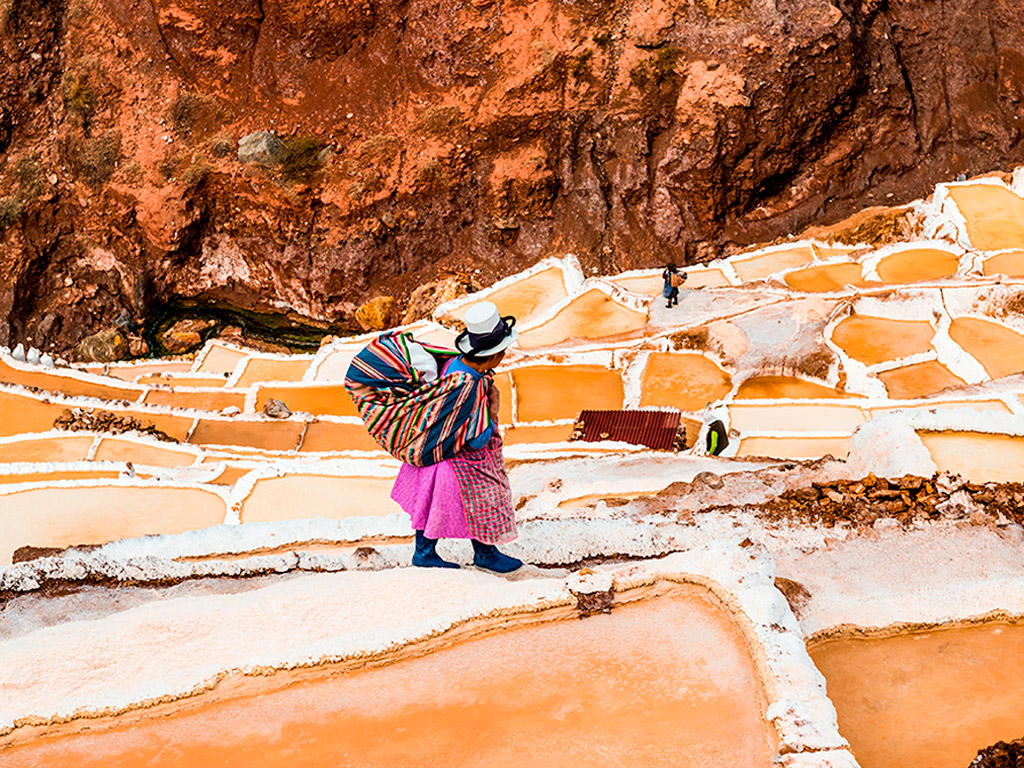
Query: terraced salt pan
(196,399)
(977,456)
(653,683)
(873,340)
(784,387)
(1008,263)
(918,380)
(58,446)
(318,399)
(795,417)
(547,393)
(182,380)
(769,261)
(71,384)
(133,370)
(994,215)
(914,265)
(792,447)
(928,698)
(591,315)
(919,697)
(145,453)
(217,357)
(999,349)
(823,278)
(301,496)
(527,296)
(87,513)
(331,437)
(10,474)
(256,370)
(24,414)
(684,381)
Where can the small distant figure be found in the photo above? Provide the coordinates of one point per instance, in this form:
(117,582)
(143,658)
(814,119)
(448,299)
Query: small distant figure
(673,279)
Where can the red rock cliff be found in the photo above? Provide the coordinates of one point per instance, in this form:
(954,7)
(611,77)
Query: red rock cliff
(432,137)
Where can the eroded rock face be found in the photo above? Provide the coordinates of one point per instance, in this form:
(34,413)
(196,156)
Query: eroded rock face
(422,139)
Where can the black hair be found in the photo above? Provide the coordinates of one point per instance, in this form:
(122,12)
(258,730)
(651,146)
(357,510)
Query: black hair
(481,358)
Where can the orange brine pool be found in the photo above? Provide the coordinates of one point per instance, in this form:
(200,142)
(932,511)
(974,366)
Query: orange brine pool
(772,387)
(591,315)
(994,215)
(825,277)
(764,264)
(930,699)
(665,682)
(999,349)
(552,392)
(918,380)
(917,264)
(873,340)
(1009,263)
(977,456)
(684,381)
(526,299)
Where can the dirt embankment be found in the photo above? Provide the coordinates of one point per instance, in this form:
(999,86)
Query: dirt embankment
(426,139)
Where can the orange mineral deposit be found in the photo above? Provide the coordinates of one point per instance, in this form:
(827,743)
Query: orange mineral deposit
(926,699)
(666,682)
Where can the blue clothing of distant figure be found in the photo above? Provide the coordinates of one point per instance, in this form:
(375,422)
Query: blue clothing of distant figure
(478,442)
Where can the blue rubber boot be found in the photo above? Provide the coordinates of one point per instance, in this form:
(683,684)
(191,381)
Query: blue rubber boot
(487,556)
(425,555)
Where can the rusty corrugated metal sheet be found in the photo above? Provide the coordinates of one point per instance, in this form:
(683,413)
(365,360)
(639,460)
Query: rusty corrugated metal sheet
(654,429)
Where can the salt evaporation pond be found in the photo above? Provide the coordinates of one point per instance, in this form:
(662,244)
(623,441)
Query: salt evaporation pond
(930,699)
(664,682)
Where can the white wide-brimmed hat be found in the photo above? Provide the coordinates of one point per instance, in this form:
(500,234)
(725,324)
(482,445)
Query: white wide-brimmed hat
(487,333)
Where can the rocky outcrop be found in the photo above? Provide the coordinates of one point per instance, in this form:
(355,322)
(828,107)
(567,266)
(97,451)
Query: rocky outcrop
(430,138)
(1002,754)
(184,336)
(373,315)
(103,347)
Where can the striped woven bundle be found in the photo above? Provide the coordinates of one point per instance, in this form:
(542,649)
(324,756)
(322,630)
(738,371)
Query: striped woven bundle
(416,421)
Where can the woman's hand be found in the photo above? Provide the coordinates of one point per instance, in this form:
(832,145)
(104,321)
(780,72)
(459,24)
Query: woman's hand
(493,402)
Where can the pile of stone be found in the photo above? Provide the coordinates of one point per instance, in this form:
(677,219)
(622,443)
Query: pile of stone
(905,499)
(1002,754)
(95,420)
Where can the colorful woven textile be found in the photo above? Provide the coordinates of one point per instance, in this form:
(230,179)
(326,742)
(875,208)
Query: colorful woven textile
(486,495)
(416,421)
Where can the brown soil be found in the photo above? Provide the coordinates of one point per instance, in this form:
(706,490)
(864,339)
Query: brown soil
(95,420)
(864,501)
(427,140)
(1002,754)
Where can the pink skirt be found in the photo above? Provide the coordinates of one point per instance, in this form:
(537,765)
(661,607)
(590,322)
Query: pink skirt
(431,497)
(467,497)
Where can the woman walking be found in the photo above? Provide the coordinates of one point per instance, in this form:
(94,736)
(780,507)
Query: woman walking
(452,482)
(673,279)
